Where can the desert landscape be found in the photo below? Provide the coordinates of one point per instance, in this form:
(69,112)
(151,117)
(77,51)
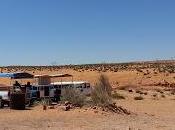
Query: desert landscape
(87,64)
(145,89)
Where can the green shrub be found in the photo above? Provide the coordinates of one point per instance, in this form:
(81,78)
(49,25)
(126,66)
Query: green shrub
(44,101)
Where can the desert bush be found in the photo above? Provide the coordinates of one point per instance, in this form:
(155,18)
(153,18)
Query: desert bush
(141,93)
(145,93)
(155,95)
(138,98)
(44,101)
(163,96)
(159,91)
(102,96)
(139,70)
(74,96)
(101,93)
(138,91)
(104,84)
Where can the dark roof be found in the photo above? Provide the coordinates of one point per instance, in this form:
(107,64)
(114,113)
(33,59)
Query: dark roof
(54,76)
(18,75)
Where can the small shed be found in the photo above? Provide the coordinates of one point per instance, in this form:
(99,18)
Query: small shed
(46,79)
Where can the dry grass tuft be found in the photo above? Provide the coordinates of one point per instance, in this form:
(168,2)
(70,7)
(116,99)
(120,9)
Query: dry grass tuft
(118,96)
(74,96)
(101,94)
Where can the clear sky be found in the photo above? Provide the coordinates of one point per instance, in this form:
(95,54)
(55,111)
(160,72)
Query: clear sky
(39,32)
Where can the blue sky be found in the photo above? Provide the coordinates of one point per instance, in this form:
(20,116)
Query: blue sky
(39,32)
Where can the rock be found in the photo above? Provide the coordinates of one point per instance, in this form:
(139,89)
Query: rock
(67,103)
(145,93)
(66,108)
(94,107)
(130,90)
(114,103)
(51,107)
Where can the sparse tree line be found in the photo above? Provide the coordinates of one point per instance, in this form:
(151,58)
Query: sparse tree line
(160,67)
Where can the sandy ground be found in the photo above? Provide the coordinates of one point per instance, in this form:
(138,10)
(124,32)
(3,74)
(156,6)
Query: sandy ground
(148,114)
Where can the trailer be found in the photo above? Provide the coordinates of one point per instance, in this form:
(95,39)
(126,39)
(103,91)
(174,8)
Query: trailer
(82,86)
(50,91)
(41,91)
(53,90)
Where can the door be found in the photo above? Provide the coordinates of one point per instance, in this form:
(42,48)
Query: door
(46,91)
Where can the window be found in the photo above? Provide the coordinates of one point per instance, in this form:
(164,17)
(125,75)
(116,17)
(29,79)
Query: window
(34,88)
(88,85)
(84,85)
(51,87)
(79,86)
